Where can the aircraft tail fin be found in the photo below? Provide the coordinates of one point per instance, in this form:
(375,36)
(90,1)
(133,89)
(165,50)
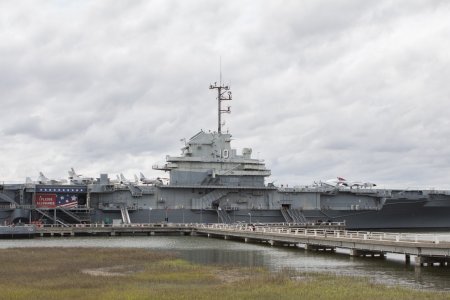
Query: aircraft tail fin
(72,173)
(122,177)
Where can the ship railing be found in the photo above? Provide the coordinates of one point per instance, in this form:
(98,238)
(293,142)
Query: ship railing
(10,206)
(229,207)
(131,225)
(20,225)
(164,166)
(25,206)
(30,206)
(412,238)
(116,206)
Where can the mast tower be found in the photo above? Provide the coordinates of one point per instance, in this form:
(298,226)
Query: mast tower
(223,94)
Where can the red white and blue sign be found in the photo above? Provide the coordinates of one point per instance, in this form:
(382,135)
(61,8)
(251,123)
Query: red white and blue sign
(67,201)
(46,200)
(61,189)
(56,200)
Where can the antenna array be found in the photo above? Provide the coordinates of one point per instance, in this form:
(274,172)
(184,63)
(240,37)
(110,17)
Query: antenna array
(223,94)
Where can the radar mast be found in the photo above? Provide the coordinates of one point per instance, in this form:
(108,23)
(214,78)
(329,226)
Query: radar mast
(223,94)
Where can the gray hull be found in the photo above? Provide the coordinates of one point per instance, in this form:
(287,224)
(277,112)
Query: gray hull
(411,217)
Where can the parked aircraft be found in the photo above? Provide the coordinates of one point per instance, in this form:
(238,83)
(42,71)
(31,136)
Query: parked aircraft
(28,180)
(144,180)
(115,181)
(369,185)
(42,179)
(78,178)
(359,184)
(124,180)
(340,181)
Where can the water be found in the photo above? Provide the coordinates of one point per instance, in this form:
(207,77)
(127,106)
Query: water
(391,271)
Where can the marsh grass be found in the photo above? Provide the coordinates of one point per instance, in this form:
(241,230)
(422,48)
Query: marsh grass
(60,273)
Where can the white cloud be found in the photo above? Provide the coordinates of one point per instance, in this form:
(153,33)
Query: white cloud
(321,88)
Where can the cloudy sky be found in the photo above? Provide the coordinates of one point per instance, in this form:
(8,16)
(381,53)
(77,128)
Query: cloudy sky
(359,89)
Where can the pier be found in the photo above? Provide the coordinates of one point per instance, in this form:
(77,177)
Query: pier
(144,228)
(113,230)
(426,249)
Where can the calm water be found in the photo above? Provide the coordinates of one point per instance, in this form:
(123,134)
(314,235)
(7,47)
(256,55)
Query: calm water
(216,251)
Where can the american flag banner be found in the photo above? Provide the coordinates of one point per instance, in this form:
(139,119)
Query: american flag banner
(67,201)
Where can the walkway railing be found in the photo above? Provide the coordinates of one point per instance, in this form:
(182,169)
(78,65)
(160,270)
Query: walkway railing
(338,234)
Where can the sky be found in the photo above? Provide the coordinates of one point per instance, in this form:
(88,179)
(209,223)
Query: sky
(357,89)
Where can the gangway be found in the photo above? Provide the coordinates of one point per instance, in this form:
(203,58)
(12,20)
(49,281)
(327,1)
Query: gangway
(125,215)
(223,216)
(73,215)
(297,215)
(55,219)
(286,216)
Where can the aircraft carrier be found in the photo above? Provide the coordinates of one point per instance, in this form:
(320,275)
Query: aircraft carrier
(210,182)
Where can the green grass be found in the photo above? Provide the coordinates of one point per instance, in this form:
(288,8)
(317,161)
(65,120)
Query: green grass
(86,273)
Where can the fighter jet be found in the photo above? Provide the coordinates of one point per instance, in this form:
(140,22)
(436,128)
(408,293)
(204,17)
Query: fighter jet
(358,184)
(42,179)
(144,180)
(339,181)
(78,178)
(124,180)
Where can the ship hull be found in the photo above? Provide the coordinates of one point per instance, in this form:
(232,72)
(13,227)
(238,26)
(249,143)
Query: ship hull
(108,204)
(401,217)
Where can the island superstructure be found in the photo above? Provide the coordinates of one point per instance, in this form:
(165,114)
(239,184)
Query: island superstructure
(210,182)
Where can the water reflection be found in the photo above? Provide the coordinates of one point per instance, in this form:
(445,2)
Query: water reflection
(250,258)
(391,270)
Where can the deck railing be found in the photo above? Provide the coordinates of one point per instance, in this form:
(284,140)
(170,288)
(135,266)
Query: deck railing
(330,233)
